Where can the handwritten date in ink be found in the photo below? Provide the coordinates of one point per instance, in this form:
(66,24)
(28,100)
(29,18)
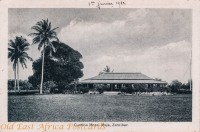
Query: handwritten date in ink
(101,4)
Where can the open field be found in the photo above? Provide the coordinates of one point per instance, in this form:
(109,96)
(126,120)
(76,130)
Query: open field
(65,107)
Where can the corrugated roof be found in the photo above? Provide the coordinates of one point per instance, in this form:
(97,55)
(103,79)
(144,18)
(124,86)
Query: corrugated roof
(122,78)
(122,81)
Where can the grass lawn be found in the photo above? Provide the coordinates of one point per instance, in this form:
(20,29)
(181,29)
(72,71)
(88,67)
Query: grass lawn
(65,107)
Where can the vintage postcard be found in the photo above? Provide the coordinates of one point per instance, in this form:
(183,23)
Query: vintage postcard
(99,65)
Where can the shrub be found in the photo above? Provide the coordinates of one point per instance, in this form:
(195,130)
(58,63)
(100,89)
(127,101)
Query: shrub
(168,89)
(184,91)
(11,84)
(48,87)
(140,87)
(99,88)
(143,88)
(63,87)
(84,89)
(23,85)
(129,89)
(150,89)
(123,90)
(69,88)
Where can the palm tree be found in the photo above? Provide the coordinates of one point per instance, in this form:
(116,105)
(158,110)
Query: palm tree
(17,54)
(43,36)
(107,69)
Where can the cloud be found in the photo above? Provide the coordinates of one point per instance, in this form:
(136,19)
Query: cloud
(153,41)
(90,36)
(146,41)
(168,62)
(140,28)
(137,15)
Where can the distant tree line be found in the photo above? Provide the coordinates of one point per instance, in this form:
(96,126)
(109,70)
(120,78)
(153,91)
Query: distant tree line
(54,87)
(178,87)
(23,85)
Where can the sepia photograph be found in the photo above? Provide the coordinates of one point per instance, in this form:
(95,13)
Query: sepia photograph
(99,65)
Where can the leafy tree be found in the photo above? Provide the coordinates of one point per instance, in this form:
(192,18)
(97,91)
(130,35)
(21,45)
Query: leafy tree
(17,52)
(175,85)
(34,80)
(63,68)
(188,84)
(43,36)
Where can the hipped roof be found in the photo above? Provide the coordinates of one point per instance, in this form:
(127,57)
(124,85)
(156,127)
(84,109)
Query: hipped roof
(121,78)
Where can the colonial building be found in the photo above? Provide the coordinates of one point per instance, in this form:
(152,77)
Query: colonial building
(117,81)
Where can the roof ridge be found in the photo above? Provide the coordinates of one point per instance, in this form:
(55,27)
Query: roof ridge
(121,76)
(122,73)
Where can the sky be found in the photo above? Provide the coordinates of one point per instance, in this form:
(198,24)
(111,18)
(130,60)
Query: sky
(155,42)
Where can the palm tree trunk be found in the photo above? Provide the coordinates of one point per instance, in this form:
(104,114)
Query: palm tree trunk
(42,70)
(18,76)
(15,87)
